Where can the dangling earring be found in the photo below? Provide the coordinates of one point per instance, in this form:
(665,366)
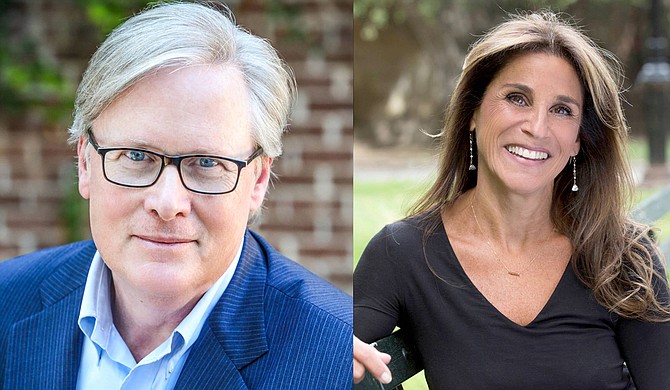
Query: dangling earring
(574,174)
(472,166)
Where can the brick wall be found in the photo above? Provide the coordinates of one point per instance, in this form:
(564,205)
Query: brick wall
(35,166)
(308,213)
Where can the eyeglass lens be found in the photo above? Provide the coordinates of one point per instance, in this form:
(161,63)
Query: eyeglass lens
(138,168)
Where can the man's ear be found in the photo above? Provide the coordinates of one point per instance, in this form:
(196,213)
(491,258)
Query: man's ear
(261,184)
(83,168)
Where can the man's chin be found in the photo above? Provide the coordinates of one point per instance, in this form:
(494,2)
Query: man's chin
(164,280)
(160,257)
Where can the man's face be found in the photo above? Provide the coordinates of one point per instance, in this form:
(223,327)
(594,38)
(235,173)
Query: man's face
(165,240)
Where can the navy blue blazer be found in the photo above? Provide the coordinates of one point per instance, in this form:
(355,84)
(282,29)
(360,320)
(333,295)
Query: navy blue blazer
(277,326)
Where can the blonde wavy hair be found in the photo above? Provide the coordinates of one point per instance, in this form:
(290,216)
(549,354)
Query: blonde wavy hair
(613,255)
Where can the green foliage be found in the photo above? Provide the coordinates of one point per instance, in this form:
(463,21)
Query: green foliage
(29,81)
(107,14)
(376,15)
(288,15)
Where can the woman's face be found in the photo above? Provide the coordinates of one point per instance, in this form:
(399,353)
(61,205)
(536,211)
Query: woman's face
(528,124)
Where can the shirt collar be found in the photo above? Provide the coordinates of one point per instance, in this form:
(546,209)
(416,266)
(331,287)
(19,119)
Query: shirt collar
(95,316)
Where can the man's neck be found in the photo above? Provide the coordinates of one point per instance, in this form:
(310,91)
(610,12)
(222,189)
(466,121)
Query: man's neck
(144,322)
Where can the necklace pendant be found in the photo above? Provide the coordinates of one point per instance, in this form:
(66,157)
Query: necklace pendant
(514,273)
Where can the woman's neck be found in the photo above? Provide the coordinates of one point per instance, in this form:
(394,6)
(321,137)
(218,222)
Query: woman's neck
(512,221)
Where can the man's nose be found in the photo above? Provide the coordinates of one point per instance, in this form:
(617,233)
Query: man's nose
(168,197)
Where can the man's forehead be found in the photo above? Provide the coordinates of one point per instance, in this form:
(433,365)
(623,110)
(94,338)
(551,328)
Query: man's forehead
(197,109)
(146,139)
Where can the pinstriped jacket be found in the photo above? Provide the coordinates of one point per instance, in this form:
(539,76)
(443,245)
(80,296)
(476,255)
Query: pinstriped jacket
(277,326)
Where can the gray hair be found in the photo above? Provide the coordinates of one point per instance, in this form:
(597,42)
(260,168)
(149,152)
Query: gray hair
(181,35)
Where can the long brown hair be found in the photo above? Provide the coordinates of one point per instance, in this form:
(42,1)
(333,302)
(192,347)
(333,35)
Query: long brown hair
(613,255)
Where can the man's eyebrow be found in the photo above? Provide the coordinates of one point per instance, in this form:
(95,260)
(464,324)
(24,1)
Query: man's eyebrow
(131,143)
(140,143)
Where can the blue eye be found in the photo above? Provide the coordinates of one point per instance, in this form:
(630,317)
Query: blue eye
(136,155)
(206,162)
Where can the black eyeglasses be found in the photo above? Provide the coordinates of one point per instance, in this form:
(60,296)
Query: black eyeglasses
(200,173)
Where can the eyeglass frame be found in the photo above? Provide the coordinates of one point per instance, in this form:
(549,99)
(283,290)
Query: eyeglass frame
(171,160)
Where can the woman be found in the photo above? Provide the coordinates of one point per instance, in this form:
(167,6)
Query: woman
(519,268)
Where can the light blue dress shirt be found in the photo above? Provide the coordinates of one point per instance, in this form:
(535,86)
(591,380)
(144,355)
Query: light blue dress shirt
(106,361)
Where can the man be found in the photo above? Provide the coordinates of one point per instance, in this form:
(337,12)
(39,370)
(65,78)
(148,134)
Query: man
(177,121)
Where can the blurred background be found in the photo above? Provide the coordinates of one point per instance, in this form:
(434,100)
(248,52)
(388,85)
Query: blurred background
(408,55)
(45,46)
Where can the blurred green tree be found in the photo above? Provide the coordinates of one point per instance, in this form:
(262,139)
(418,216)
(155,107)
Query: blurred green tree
(408,54)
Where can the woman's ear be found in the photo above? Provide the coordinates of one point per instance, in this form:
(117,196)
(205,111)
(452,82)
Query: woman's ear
(576,147)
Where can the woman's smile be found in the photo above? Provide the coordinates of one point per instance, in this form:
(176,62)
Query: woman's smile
(527,154)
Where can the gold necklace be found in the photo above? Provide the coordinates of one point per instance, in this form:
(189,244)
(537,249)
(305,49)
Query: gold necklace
(495,254)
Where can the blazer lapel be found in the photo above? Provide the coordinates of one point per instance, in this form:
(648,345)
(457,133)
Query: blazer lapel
(50,339)
(234,334)
(208,366)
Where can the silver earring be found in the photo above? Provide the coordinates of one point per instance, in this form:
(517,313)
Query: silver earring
(472,166)
(574,174)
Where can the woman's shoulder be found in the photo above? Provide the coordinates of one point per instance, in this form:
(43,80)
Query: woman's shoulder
(410,230)
(407,235)
(393,250)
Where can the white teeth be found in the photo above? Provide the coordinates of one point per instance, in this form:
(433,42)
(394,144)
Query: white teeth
(529,154)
